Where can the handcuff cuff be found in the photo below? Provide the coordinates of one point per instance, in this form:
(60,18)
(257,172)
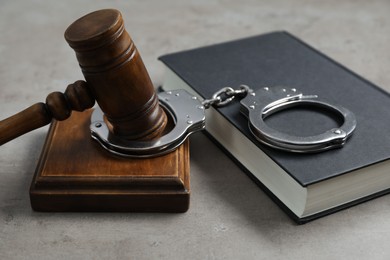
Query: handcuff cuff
(188,114)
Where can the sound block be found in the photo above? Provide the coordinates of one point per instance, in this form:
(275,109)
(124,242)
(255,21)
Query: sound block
(75,174)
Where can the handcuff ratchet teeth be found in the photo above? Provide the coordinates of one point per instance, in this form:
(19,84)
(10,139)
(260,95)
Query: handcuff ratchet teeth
(188,114)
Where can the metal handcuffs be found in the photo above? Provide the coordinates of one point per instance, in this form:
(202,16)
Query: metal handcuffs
(188,116)
(188,113)
(266,101)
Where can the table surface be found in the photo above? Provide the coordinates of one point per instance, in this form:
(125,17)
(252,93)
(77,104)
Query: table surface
(229,217)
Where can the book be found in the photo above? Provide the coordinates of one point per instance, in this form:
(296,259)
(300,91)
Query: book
(306,186)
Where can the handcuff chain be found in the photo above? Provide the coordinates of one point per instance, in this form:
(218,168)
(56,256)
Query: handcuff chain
(225,95)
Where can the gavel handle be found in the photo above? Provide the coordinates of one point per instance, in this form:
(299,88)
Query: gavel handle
(58,105)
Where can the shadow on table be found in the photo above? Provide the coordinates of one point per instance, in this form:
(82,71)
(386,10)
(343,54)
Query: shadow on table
(214,173)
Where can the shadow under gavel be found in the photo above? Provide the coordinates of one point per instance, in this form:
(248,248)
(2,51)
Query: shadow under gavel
(115,77)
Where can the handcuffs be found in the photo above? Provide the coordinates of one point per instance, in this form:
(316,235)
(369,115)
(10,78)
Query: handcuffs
(188,114)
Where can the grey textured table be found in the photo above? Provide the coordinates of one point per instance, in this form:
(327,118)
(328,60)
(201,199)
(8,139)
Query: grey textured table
(230,217)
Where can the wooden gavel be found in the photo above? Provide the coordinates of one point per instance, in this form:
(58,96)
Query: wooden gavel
(115,77)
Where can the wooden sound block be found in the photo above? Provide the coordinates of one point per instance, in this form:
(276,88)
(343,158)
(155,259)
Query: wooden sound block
(75,174)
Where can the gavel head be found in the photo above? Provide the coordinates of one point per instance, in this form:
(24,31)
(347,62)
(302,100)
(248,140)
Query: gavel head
(116,75)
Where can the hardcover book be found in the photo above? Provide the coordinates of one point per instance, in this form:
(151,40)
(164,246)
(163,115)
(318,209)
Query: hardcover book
(306,186)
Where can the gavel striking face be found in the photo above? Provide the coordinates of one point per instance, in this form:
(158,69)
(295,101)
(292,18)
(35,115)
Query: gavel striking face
(115,77)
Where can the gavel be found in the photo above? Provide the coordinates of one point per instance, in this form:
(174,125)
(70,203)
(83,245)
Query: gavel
(115,76)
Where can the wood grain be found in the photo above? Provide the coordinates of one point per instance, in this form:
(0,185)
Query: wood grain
(75,174)
(58,106)
(113,67)
(116,77)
